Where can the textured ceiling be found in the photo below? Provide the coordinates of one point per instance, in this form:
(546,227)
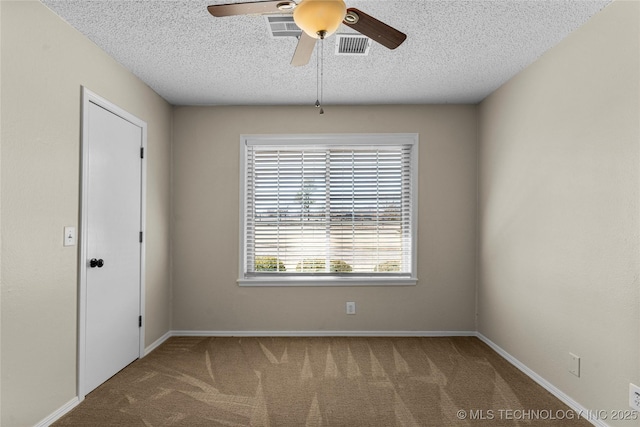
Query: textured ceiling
(455,52)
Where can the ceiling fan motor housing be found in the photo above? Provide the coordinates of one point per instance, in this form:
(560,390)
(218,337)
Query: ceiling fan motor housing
(319,18)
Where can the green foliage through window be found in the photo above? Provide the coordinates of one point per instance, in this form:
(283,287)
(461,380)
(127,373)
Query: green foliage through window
(269,263)
(314,265)
(387,266)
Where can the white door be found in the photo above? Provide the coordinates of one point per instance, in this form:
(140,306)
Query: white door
(112,186)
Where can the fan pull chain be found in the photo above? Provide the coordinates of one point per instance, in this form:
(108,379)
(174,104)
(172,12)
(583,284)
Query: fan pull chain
(317,76)
(320,72)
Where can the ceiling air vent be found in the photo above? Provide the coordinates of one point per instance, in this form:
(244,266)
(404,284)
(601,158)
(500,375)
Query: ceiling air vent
(282,26)
(352,44)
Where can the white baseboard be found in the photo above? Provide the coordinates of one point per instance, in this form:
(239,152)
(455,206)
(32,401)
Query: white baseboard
(157,343)
(323,333)
(575,406)
(55,416)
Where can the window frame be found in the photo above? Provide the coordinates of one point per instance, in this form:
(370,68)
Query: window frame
(355,139)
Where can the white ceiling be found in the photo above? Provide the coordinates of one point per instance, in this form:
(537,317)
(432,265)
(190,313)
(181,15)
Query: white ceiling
(455,52)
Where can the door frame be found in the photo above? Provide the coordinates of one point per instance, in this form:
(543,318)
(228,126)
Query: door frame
(87,98)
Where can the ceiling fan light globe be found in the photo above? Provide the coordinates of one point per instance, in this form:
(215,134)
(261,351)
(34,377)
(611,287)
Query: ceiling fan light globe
(316,17)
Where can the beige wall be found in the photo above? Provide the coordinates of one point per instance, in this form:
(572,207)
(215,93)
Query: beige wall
(206,147)
(559,183)
(44,64)
(0,218)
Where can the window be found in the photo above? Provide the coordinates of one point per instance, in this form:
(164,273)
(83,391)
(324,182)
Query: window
(328,209)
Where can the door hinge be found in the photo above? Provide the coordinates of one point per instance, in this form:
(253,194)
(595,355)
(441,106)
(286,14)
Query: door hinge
(142,152)
(141,237)
(139,321)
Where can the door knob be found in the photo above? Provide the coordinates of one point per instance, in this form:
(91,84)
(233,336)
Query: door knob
(96,263)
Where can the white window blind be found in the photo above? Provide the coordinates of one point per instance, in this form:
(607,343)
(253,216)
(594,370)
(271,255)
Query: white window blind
(329,209)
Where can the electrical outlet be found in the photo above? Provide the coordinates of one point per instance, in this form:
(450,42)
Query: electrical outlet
(574,364)
(351,307)
(634,396)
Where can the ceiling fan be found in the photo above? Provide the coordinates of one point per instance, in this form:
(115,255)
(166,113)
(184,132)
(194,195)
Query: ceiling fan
(317,19)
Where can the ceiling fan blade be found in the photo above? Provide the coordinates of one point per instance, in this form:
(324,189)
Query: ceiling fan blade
(304,49)
(248,8)
(376,30)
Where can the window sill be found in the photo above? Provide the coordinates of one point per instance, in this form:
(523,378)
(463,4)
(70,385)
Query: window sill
(323,281)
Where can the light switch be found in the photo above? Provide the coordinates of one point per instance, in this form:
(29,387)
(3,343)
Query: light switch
(69,236)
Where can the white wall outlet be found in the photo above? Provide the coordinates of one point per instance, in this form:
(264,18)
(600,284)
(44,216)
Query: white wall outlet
(634,396)
(351,307)
(69,236)
(574,364)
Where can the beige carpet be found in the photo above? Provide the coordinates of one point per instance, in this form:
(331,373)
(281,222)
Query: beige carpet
(197,381)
